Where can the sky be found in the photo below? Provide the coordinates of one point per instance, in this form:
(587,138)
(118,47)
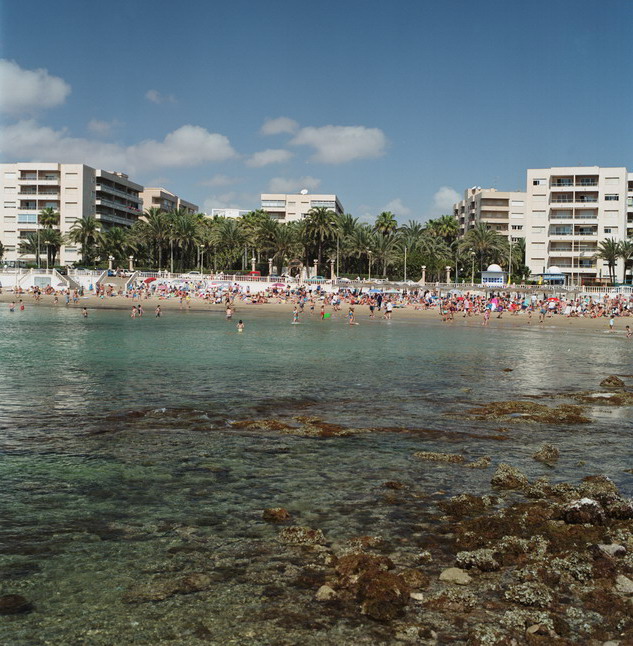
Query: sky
(395,106)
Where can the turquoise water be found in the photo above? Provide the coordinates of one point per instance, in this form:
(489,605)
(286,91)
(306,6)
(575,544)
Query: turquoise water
(119,465)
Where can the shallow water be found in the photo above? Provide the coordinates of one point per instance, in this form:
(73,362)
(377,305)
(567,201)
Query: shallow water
(119,465)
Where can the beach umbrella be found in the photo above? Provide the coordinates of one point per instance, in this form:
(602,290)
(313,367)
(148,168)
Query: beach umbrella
(455,292)
(553,298)
(278,285)
(375,291)
(149,280)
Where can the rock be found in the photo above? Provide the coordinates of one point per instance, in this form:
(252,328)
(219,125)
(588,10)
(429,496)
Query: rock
(276,515)
(154,591)
(619,509)
(325,593)
(481,463)
(415,579)
(417,596)
(383,595)
(354,565)
(612,549)
(361,543)
(623,584)
(465,504)
(548,454)
(483,559)
(455,575)
(194,582)
(509,477)
(14,604)
(394,484)
(530,593)
(583,512)
(439,457)
(612,382)
(302,536)
(425,557)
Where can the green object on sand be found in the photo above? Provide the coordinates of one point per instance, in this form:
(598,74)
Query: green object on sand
(327,315)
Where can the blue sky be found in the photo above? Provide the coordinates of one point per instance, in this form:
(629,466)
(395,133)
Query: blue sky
(389,105)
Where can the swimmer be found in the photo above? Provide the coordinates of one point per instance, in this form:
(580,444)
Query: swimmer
(157,311)
(240,326)
(629,334)
(84,313)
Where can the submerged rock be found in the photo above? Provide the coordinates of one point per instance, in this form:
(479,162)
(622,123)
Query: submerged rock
(481,463)
(483,559)
(530,593)
(548,454)
(14,604)
(276,515)
(302,536)
(529,411)
(383,596)
(583,512)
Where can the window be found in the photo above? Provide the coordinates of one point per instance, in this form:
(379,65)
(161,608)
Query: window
(539,182)
(517,227)
(71,175)
(611,230)
(538,214)
(269,203)
(9,205)
(539,245)
(10,189)
(27,218)
(611,214)
(538,229)
(613,197)
(70,189)
(515,216)
(71,204)
(9,176)
(517,203)
(610,181)
(539,199)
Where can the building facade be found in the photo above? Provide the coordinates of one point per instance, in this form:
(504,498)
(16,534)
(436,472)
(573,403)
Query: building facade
(160,198)
(294,207)
(228,213)
(571,210)
(75,191)
(503,211)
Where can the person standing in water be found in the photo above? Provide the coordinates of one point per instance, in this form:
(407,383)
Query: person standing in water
(240,326)
(157,310)
(84,313)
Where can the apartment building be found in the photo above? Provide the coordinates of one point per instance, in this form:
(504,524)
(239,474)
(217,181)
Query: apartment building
(75,191)
(293,207)
(571,210)
(161,198)
(503,211)
(228,213)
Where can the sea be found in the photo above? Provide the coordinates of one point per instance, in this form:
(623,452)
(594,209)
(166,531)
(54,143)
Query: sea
(122,468)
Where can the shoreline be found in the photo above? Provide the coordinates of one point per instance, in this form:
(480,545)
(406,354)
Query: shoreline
(284,309)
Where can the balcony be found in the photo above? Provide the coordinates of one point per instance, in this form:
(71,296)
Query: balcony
(562,199)
(115,191)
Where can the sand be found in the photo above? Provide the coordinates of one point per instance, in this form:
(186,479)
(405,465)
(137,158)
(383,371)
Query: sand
(284,310)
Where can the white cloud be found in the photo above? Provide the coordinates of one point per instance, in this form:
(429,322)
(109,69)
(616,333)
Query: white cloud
(397,207)
(270,156)
(279,126)
(444,199)
(102,128)
(156,97)
(187,146)
(287,185)
(221,180)
(231,200)
(340,144)
(29,90)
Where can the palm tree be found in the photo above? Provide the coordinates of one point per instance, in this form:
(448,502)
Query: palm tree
(284,244)
(48,217)
(52,240)
(386,223)
(445,226)
(361,242)
(626,253)
(1,250)
(609,250)
(487,244)
(29,246)
(321,228)
(115,242)
(229,237)
(156,230)
(87,233)
(385,250)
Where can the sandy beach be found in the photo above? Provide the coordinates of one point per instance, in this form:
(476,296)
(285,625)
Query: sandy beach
(284,310)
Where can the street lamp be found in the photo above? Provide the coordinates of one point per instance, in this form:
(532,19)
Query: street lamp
(201,247)
(369,257)
(171,248)
(405,263)
(110,261)
(472,273)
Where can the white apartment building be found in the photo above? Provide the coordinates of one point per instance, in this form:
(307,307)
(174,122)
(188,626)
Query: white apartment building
(571,210)
(161,198)
(503,211)
(75,191)
(293,207)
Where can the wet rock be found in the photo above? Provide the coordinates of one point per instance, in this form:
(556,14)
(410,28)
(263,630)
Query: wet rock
(619,509)
(585,511)
(455,575)
(612,382)
(624,585)
(351,566)
(483,559)
(481,463)
(598,487)
(530,593)
(362,543)
(439,457)
(548,454)
(612,549)
(302,536)
(509,477)
(276,515)
(325,593)
(529,411)
(394,484)
(14,604)
(465,504)
(383,596)
(425,557)
(415,579)
(154,591)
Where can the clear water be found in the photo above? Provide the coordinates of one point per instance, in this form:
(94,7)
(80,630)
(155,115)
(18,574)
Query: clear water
(119,466)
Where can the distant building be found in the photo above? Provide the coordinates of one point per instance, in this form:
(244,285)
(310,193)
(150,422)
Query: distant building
(503,211)
(75,191)
(571,210)
(228,213)
(161,198)
(287,207)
